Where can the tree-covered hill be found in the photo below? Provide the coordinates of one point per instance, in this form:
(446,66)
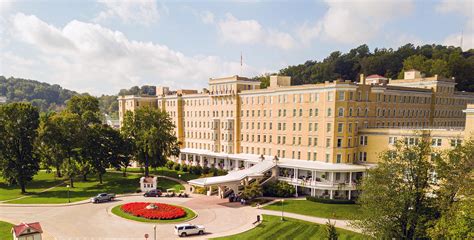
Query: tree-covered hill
(49,97)
(45,96)
(429,59)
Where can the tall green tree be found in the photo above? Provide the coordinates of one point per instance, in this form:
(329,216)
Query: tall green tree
(87,110)
(455,193)
(153,134)
(48,145)
(102,148)
(395,200)
(68,126)
(18,161)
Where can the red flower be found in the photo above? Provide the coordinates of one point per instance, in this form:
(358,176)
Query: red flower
(162,211)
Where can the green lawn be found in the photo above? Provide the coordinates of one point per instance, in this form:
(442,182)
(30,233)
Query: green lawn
(323,210)
(112,182)
(40,182)
(5,230)
(166,172)
(164,184)
(273,228)
(190,214)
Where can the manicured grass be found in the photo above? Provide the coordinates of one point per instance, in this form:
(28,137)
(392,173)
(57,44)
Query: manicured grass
(164,171)
(112,183)
(273,228)
(165,184)
(5,230)
(40,182)
(190,214)
(323,210)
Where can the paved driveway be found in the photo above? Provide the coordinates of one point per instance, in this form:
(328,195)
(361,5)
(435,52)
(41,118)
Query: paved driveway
(94,221)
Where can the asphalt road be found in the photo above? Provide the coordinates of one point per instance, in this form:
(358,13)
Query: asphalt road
(95,221)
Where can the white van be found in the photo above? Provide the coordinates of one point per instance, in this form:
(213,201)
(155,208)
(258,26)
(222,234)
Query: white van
(183,230)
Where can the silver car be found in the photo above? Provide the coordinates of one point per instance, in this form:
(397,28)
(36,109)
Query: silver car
(186,229)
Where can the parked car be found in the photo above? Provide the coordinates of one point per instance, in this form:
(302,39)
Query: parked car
(186,229)
(103,197)
(153,193)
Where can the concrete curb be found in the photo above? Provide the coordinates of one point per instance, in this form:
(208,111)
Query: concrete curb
(82,202)
(110,213)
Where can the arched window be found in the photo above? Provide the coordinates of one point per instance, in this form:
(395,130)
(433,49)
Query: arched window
(340,112)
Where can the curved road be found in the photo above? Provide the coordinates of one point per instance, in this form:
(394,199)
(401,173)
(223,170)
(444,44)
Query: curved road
(94,221)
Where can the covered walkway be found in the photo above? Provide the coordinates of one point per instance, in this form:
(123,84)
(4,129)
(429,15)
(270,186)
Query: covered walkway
(235,178)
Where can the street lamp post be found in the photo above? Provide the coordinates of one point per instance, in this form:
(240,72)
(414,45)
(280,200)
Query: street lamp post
(282,201)
(68,198)
(154,232)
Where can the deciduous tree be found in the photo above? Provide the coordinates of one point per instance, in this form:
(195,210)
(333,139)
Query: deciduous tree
(18,161)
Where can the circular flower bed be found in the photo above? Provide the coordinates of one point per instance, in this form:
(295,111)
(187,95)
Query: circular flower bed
(153,210)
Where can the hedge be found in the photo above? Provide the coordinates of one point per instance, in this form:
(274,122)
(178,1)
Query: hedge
(332,201)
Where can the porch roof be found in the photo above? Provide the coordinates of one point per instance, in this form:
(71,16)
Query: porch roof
(287,162)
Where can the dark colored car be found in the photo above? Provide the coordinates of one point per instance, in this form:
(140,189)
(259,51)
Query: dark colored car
(152,193)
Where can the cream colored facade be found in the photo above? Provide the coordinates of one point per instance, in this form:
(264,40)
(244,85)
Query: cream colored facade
(341,122)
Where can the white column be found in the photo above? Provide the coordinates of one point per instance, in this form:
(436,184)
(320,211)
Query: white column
(187,158)
(349,196)
(350,179)
(331,192)
(332,178)
(296,192)
(236,167)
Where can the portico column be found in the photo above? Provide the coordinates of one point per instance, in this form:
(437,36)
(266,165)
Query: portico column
(295,173)
(179,158)
(187,158)
(350,179)
(332,177)
(296,192)
(201,161)
(349,195)
(331,194)
(236,165)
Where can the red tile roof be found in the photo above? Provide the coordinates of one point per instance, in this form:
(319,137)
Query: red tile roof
(20,229)
(375,76)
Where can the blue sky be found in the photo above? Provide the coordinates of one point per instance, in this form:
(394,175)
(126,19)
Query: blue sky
(103,46)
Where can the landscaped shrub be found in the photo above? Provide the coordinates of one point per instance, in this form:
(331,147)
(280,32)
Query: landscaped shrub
(200,190)
(198,170)
(169,165)
(205,170)
(176,166)
(214,171)
(278,189)
(184,168)
(332,201)
(153,210)
(221,172)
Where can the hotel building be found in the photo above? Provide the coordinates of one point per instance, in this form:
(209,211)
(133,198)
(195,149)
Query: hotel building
(321,138)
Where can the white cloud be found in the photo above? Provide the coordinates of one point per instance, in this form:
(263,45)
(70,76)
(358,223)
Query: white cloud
(143,12)
(461,7)
(455,40)
(6,5)
(88,57)
(207,17)
(354,22)
(252,32)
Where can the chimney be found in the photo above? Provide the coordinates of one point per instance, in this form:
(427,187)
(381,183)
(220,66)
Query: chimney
(362,79)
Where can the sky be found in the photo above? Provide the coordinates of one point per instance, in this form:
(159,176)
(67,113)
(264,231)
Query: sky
(103,46)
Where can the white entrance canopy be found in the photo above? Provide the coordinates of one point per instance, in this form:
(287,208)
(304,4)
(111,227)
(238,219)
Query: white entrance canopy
(256,170)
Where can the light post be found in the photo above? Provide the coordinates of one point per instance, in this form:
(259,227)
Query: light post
(68,198)
(282,201)
(154,232)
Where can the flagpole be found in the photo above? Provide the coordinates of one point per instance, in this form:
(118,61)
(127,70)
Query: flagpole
(241,63)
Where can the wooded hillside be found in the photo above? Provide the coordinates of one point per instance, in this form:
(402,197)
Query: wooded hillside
(429,59)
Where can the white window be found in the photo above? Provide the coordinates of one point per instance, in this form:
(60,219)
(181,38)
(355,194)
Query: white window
(363,141)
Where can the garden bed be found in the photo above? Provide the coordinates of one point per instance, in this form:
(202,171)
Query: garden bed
(153,212)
